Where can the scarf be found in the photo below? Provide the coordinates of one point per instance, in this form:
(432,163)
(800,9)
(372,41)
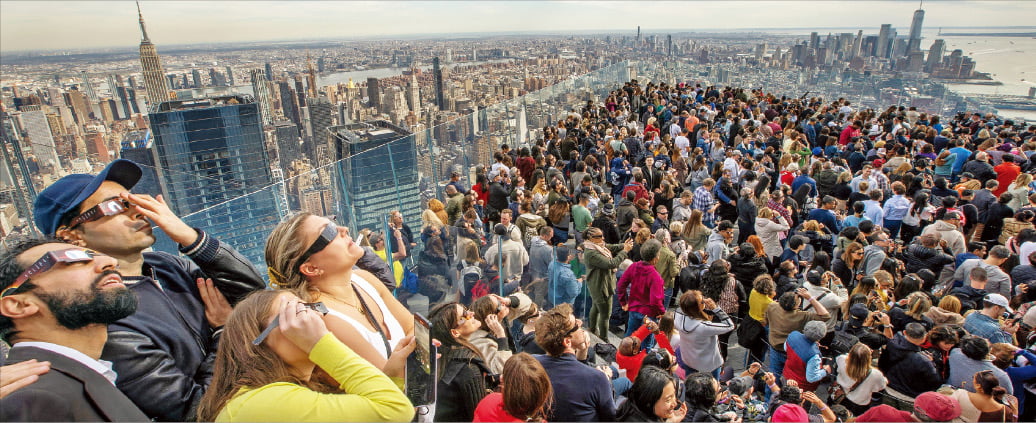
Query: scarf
(589,245)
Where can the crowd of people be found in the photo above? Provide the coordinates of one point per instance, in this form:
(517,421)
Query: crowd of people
(759,258)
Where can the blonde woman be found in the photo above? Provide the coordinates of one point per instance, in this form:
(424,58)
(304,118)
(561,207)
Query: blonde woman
(917,304)
(1020,190)
(857,380)
(767,226)
(315,258)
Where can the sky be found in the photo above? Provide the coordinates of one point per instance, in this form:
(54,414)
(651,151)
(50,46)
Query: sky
(59,25)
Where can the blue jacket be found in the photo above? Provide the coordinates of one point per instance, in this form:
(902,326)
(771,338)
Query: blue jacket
(563,287)
(581,393)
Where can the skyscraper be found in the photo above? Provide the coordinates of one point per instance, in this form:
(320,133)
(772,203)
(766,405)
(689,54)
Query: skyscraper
(289,103)
(214,171)
(914,42)
(440,100)
(935,54)
(373,93)
(230,76)
(40,138)
(269,72)
(154,74)
(261,92)
(883,41)
(376,172)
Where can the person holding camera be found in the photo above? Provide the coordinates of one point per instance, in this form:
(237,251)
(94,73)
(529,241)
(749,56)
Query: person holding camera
(785,317)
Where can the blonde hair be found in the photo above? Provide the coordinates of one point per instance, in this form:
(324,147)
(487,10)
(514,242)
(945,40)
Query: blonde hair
(284,246)
(1022,180)
(950,303)
(765,213)
(918,304)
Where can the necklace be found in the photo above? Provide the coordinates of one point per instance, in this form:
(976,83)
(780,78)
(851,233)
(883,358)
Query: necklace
(357,305)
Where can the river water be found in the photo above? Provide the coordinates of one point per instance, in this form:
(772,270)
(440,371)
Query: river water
(362,75)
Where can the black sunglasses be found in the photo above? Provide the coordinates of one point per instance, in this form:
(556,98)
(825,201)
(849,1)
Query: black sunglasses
(327,235)
(317,307)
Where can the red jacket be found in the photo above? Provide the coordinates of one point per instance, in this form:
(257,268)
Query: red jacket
(491,409)
(1006,173)
(640,190)
(632,362)
(646,289)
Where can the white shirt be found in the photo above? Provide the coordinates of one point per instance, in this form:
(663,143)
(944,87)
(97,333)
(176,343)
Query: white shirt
(874,382)
(100,366)
(1024,251)
(683,143)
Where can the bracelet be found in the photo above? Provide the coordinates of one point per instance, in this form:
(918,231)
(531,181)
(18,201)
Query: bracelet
(823,408)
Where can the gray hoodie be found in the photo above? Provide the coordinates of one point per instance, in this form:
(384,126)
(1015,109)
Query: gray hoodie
(540,255)
(717,248)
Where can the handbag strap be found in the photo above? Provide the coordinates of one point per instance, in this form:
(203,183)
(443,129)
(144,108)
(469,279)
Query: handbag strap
(373,321)
(860,382)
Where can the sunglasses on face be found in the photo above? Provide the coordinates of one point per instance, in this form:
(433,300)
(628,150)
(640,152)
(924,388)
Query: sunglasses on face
(465,316)
(317,307)
(327,235)
(47,262)
(105,208)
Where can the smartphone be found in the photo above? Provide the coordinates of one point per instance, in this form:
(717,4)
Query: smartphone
(421,369)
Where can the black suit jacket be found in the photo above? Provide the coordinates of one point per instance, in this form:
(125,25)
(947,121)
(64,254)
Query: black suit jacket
(70,391)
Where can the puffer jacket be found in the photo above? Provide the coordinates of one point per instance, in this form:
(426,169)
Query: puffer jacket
(919,257)
(745,265)
(768,230)
(164,352)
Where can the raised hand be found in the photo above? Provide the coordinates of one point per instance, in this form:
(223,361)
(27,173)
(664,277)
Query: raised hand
(217,309)
(159,213)
(302,326)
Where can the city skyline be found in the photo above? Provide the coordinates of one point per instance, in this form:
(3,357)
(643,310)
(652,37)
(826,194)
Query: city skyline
(87,25)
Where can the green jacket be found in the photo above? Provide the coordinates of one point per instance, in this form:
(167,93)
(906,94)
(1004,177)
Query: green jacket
(453,208)
(667,266)
(600,271)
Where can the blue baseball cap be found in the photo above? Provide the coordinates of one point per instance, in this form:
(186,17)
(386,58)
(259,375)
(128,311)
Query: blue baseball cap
(69,192)
(817,151)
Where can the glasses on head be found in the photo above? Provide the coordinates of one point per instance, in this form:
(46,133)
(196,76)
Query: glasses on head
(47,262)
(105,208)
(327,235)
(317,307)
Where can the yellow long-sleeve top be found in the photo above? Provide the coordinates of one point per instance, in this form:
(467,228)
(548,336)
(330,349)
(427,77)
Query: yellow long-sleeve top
(372,397)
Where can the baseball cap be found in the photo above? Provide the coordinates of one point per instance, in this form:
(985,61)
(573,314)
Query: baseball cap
(858,314)
(881,150)
(790,413)
(878,163)
(817,151)
(885,413)
(1000,300)
(936,407)
(70,191)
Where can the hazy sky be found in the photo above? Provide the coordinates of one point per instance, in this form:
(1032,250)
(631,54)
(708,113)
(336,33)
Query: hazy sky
(27,25)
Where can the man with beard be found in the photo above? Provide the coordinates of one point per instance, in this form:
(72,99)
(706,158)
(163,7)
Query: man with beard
(56,302)
(164,353)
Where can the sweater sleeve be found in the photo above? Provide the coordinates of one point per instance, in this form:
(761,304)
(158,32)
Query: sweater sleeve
(375,397)
(813,371)
(709,328)
(621,287)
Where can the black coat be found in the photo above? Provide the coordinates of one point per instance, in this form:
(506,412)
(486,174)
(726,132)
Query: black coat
(745,266)
(908,372)
(70,391)
(164,352)
(919,257)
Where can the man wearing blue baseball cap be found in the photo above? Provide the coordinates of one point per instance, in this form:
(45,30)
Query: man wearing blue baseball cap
(162,353)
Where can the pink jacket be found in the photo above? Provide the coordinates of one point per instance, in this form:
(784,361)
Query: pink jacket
(646,289)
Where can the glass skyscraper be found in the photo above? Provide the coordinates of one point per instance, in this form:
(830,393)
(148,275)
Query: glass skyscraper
(375,173)
(214,171)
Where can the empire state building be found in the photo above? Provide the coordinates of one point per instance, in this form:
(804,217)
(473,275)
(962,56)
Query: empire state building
(154,74)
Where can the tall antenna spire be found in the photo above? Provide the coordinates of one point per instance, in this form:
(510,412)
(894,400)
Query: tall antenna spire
(143,30)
